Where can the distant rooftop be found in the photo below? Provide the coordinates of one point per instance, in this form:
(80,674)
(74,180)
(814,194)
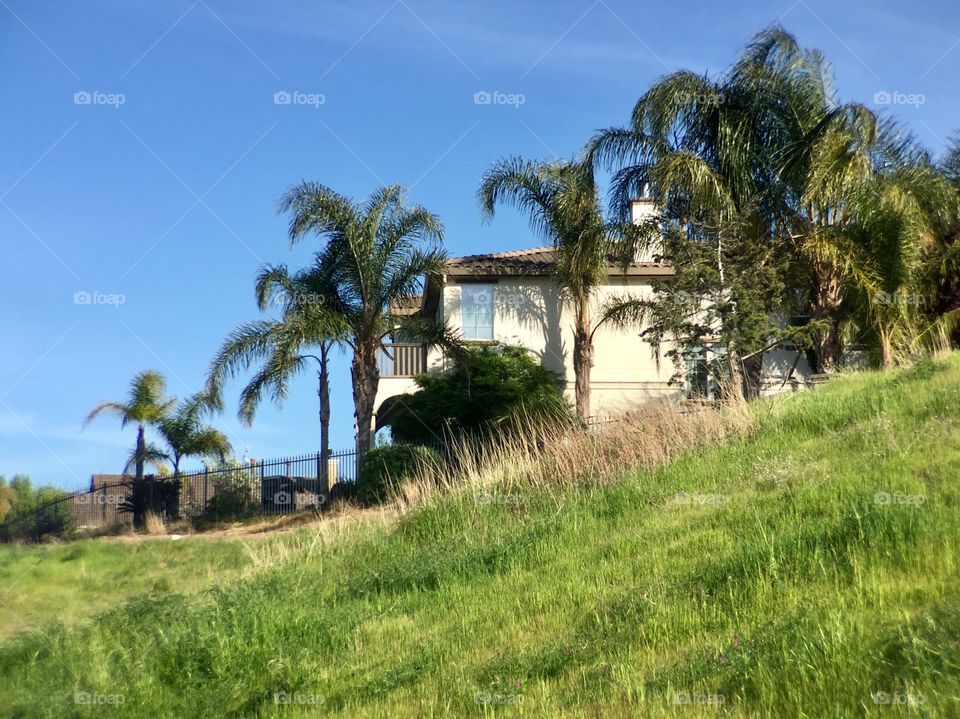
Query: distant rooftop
(535,261)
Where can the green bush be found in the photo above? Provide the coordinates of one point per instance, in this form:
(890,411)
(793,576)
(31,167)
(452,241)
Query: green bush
(235,494)
(34,514)
(383,467)
(492,389)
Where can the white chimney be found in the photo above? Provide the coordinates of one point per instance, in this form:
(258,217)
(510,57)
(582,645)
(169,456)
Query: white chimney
(642,210)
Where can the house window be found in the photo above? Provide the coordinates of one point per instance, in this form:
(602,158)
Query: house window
(698,374)
(476,311)
(706,368)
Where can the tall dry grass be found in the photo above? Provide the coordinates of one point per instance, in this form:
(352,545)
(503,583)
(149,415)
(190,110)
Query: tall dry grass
(153,524)
(548,456)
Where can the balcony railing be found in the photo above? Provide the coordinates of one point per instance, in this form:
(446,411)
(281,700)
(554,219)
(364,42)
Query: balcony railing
(401,359)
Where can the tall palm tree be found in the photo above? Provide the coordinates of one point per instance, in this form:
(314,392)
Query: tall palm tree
(146,406)
(772,135)
(563,205)
(305,332)
(374,252)
(185,434)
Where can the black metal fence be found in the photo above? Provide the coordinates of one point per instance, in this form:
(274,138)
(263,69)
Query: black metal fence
(229,492)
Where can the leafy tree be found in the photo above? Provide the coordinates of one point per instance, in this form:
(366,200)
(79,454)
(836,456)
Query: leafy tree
(484,391)
(384,467)
(145,406)
(26,512)
(720,309)
(7,498)
(374,253)
(563,205)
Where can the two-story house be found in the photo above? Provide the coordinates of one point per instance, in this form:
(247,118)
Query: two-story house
(512,298)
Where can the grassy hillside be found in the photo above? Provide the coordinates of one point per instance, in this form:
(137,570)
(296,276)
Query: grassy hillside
(809,569)
(74,581)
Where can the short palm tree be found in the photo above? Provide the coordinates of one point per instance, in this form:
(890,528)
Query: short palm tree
(563,205)
(305,332)
(146,406)
(374,253)
(185,434)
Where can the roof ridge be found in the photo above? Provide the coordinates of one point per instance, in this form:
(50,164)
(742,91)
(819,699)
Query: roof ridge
(505,254)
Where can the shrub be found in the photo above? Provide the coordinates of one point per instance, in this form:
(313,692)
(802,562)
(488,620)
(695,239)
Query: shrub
(234,495)
(385,466)
(35,514)
(152,495)
(491,390)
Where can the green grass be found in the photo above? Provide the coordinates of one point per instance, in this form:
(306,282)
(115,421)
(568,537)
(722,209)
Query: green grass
(766,577)
(72,582)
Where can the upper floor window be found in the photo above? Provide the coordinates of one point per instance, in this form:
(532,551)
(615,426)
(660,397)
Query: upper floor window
(476,311)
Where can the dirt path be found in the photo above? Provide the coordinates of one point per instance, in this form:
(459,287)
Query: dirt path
(331,523)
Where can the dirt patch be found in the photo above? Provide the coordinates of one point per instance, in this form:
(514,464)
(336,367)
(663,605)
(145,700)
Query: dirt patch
(334,521)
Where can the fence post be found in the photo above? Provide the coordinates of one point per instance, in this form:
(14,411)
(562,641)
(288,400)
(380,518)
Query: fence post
(206,475)
(322,479)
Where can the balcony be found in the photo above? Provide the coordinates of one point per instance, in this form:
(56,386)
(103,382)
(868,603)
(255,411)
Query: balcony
(401,359)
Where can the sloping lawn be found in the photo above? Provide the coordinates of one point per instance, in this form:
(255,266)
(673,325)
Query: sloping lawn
(809,570)
(73,581)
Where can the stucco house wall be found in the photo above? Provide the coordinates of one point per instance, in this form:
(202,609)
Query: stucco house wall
(529,312)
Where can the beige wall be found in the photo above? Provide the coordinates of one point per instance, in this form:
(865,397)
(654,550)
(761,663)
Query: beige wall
(528,312)
(785,369)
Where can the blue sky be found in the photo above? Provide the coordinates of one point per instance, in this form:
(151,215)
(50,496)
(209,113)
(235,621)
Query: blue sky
(161,190)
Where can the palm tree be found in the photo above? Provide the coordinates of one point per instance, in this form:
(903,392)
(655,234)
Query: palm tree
(145,406)
(374,253)
(305,332)
(186,435)
(563,206)
(770,139)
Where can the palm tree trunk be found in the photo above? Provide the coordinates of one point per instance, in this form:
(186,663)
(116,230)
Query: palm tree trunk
(886,348)
(324,393)
(826,307)
(735,367)
(366,377)
(582,357)
(141,451)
